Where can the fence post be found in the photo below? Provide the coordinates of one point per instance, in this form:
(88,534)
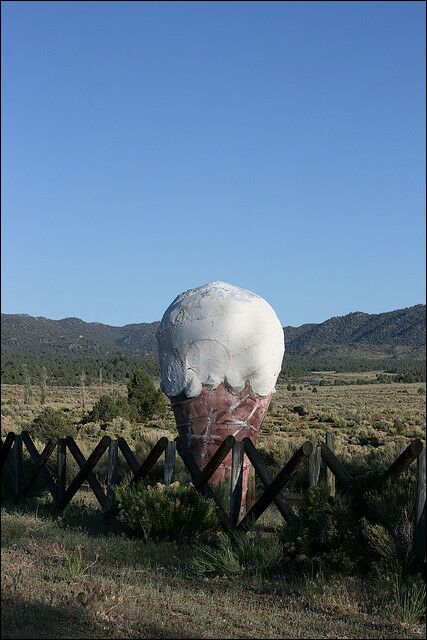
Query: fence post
(420,511)
(236,482)
(61,461)
(314,466)
(112,473)
(330,478)
(17,465)
(170,456)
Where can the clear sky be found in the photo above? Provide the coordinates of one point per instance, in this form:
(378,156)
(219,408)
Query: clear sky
(148,148)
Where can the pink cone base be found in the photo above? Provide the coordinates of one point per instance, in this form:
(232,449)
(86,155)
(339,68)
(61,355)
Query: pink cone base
(206,420)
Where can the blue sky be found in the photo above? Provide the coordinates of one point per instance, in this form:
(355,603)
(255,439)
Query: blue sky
(148,148)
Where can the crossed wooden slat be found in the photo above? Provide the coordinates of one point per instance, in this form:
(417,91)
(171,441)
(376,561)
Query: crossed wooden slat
(399,466)
(62,495)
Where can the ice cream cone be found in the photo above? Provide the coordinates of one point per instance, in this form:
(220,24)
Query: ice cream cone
(220,351)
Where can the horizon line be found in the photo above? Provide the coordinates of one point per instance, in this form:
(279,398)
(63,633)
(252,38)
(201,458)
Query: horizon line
(120,326)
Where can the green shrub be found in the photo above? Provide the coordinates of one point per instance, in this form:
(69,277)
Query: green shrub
(300,410)
(166,512)
(107,408)
(238,553)
(144,399)
(363,529)
(52,423)
(320,533)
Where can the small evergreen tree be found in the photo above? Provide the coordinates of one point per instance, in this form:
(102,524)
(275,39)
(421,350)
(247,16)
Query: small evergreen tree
(108,408)
(52,423)
(144,399)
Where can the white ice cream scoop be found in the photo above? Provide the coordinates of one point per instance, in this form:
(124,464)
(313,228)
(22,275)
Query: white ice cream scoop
(219,333)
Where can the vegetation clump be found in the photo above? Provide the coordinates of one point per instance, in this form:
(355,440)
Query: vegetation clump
(239,553)
(52,423)
(361,531)
(166,512)
(144,401)
(107,408)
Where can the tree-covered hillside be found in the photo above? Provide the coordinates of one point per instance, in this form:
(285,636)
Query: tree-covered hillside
(66,348)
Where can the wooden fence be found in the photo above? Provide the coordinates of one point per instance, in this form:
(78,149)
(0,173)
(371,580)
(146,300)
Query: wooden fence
(315,455)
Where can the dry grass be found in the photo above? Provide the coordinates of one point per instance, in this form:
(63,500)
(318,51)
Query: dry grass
(79,577)
(62,581)
(391,412)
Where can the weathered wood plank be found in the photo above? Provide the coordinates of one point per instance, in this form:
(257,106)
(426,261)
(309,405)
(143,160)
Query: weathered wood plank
(251,492)
(204,488)
(112,474)
(61,469)
(16,456)
(278,483)
(35,471)
(314,462)
(35,456)
(286,511)
(236,487)
(345,479)
(128,455)
(150,460)
(420,512)
(6,446)
(170,460)
(404,461)
(330,477)
(85,472)
(213,464)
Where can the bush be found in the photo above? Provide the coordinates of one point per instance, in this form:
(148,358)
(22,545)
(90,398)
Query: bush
(52,423)
(238,553)
(166,512)
(364,529)
(144,399)
(300,410)
(107,408)
(321,532)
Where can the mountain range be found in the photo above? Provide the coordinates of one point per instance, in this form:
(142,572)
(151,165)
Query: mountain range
(399,333)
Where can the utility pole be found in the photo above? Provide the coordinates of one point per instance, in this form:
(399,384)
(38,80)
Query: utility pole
(82,388)
(43,385)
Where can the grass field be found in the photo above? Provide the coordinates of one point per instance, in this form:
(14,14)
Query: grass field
(393,413)
(67,579)
(79,576)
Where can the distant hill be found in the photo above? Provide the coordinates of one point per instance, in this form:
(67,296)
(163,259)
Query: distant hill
(398,333)
(23,334)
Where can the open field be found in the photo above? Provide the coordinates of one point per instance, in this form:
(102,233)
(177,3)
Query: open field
(392,413)
(79,576)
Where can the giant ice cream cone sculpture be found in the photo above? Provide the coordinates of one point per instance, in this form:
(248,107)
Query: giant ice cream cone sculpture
(220,350)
